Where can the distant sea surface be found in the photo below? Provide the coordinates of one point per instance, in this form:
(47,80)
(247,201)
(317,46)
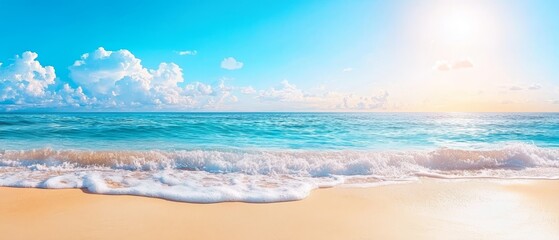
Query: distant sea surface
(268,157)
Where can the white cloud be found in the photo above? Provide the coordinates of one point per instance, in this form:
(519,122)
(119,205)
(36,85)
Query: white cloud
(464,63)
(378,101)
(204,96)
(516,88)
(521,87)
(99,72)
(72,97)
(116,79)
(534,87)
(231,63)
(199,89)
(188,52)
(286,92)
(348,69)
(443,65)
(289,93)
(248,90)
(25,81)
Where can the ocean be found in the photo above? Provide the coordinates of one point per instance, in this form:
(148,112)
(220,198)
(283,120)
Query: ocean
(268,157)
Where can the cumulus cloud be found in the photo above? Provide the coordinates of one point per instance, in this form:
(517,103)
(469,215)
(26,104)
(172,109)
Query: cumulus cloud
(443,65)
(118,79)
(521,87)
(69,96)
(105,80)
(465,63)
(25,81)
(231,63)
(286,92)
(248,90)
(188,52)
(377,101)
(26,77)
(534,87)
(290,93)
(101,72)
(205,96)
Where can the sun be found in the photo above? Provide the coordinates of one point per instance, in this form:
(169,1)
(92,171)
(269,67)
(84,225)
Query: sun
(459,25)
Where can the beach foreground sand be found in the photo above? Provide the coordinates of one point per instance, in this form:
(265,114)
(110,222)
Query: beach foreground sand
(429,209)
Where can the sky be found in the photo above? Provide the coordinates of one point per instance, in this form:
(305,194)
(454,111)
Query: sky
(250,55)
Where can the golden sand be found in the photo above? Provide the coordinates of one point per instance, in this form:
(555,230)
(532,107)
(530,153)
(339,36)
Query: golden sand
(430,209)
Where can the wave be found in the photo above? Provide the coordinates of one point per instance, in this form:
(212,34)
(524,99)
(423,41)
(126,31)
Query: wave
(260,175)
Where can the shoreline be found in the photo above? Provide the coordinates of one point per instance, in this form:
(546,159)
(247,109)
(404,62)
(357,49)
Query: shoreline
(429,209)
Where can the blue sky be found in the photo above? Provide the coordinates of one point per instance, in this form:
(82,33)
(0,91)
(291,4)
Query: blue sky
(296,55)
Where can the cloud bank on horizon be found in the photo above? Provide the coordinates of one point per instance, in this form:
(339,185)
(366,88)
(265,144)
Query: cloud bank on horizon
(116,80)
(443,65)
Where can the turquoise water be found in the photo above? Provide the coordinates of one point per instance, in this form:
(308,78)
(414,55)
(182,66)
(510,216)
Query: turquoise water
(311,131)
(268,157)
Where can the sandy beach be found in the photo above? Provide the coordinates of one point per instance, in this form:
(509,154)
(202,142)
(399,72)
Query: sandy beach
(430,209)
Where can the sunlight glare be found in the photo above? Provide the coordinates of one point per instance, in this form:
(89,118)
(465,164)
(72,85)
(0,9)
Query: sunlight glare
(459,25)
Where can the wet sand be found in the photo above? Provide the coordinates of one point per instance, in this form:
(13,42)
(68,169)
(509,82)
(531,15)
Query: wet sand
(429,209)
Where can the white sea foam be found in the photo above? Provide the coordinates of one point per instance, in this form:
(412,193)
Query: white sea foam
(261,175)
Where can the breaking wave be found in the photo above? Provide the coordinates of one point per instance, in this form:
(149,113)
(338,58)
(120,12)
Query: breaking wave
(260,175)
